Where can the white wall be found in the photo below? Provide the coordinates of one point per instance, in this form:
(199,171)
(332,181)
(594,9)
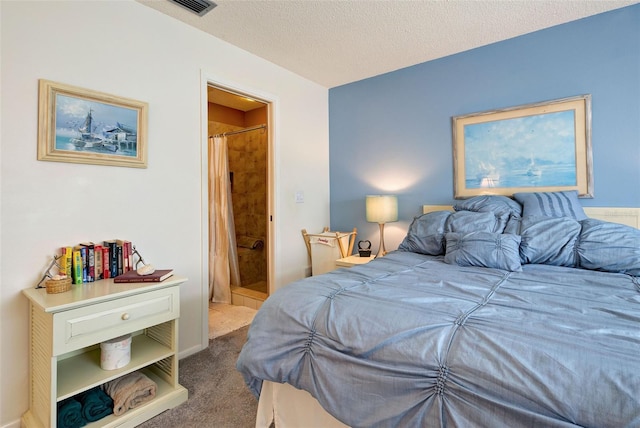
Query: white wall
(127,49)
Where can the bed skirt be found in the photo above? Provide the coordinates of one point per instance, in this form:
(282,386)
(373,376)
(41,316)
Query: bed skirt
(289,407)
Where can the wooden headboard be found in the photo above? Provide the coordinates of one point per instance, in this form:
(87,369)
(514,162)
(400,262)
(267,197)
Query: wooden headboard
(628,216)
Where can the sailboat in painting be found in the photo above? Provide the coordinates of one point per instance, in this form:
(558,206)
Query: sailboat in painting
(533,170)
(488,175)
(89,140)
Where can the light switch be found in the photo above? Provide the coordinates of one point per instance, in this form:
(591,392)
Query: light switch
(299,197)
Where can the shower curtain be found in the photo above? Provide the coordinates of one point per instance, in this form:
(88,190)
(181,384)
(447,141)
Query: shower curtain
(223,254)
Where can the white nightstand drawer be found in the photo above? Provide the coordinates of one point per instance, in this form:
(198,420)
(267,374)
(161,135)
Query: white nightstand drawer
(89,325)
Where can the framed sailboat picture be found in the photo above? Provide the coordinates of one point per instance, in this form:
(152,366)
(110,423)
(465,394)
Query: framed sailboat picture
(541,147)
(83,126)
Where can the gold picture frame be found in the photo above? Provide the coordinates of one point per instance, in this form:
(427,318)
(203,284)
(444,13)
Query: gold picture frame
(541,147)
(84,126)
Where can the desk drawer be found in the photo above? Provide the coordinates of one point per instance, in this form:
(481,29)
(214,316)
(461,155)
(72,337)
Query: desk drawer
(86,326)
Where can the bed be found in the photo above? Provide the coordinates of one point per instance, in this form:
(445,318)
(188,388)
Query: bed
(501,313)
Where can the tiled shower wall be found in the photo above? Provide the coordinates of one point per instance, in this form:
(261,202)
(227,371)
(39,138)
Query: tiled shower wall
(248,164)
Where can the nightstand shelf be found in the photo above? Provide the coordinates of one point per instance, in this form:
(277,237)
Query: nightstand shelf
(165,394)
(353,260)
(79,371)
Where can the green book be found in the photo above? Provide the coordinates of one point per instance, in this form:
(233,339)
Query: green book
(78,267)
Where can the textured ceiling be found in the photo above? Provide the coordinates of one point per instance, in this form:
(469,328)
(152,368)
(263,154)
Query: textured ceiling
(334,42)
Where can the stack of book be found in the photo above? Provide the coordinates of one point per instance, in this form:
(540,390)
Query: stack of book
(89,262)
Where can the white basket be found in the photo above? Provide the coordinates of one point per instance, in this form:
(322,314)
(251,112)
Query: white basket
(325,250)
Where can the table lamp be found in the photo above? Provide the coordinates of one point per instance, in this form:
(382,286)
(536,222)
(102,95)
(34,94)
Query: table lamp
(382,209)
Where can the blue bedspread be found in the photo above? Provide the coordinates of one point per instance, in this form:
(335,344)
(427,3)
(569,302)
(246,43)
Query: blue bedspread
(410,341)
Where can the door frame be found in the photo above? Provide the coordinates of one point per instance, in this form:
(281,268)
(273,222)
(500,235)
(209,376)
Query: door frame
(208,79)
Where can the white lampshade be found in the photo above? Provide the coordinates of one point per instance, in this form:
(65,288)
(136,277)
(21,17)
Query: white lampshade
(382,208)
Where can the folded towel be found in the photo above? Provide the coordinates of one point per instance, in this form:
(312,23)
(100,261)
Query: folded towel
(96,404)
(130,391)
(70,414)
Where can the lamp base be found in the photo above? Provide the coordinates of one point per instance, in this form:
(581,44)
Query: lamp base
(381,250)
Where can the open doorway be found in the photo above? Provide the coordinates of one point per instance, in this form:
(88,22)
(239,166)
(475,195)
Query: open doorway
(244,122)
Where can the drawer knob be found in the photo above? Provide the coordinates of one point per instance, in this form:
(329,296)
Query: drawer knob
(125,316)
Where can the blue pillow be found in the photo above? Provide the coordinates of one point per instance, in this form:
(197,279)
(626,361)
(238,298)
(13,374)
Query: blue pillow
(497,204)
(501,206)
(551,204)
(609,247)
(513,225)
(548,240)
(426,234)
(468,221)
(490,250)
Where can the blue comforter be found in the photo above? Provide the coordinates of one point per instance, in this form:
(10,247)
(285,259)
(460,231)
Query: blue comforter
(408,340)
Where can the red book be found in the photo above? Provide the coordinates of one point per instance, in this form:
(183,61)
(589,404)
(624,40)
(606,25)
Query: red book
(106,262)
(97,254)
(134,276)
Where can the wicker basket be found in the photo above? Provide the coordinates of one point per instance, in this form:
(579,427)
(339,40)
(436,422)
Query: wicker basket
(58,285)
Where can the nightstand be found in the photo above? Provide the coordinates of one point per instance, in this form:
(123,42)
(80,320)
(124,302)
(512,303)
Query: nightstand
(353,261)
(66,332)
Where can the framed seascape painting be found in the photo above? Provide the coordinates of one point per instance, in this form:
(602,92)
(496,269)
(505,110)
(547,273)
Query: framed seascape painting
(540,147)
(84,126)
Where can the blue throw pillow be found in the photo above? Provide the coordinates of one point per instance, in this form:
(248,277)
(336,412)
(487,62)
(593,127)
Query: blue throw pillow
(502,207)
(426,234)
(548,240)
(609,247)
(513,225)
(497,204)
(551,204)
(468,221)
(491,250)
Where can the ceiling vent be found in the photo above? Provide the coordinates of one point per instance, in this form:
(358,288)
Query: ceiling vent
(199,7)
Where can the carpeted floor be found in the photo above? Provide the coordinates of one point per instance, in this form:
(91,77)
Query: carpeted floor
(218,396)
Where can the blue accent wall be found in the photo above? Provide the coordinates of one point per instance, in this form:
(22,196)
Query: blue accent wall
(391,134)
